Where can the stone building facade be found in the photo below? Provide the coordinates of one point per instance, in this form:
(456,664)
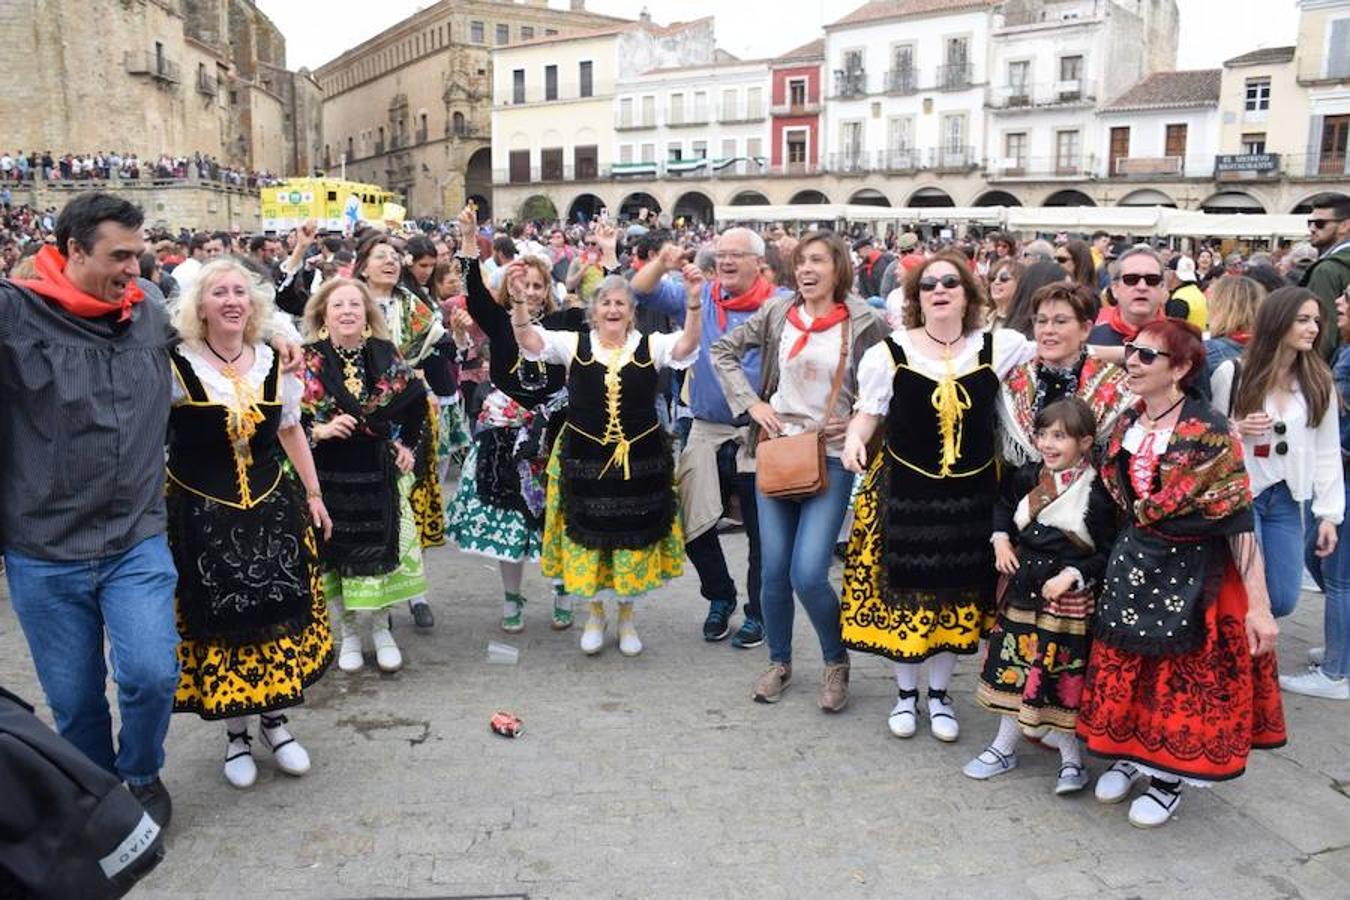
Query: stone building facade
(155,76)
(410,108)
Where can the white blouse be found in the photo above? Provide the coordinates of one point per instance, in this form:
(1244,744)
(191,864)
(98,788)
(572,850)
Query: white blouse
(560,348)
(804,381)
(220,390)
(1312,467)
(876,372)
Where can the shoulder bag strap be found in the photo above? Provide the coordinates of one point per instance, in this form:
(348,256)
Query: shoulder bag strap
(838,372)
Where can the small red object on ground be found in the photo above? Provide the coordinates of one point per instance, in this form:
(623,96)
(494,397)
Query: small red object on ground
(507,724)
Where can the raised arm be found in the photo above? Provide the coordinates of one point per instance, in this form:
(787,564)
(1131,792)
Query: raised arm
(693,316)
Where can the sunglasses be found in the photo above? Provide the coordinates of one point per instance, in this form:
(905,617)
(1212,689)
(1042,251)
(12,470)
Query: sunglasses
(929,283)
(1003,278)
(1147,355)
(1063,259)
(1135,277)
(1319,224)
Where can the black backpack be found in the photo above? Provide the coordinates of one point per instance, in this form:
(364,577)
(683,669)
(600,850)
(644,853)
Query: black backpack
(67,827)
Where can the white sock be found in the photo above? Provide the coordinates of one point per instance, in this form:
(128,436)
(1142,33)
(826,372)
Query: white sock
(1009,734)
(512,575)
(239,724)
(940,669)
(1070,749)
(907,676)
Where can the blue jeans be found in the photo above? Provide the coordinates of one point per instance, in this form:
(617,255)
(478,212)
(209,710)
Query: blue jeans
(1279,530)
(1333,577)
(64,608)
(796,541)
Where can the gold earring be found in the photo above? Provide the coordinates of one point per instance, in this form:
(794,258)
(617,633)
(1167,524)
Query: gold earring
(323,332)
(366,332)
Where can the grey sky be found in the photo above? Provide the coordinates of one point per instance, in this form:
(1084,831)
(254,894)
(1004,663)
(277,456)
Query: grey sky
(1211,30)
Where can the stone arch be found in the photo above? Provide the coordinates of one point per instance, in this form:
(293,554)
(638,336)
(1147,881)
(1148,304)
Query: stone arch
(1146,197)
(930,197)
(538,206)
(808,197)
(749,198)
(1069,197)
(694,205)
(584,207)
(1232,202)
(632,204)
(869,197)
(997,198)
(1305,206)
(478,181)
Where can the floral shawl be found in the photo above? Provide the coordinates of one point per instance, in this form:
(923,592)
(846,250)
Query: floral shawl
(393,389)
(415,326)
(1100,384)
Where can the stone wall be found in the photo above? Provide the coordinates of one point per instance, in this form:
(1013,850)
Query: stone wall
(188,204)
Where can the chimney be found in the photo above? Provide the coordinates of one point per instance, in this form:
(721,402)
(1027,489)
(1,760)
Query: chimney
(578,5)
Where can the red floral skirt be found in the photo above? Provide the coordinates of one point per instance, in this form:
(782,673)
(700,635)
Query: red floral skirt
(1197,715)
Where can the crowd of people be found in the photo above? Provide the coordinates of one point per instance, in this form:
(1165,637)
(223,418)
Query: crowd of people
(101,165)
(1098,466)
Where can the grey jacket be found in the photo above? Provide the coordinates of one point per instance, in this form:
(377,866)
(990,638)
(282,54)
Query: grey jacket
(764,330)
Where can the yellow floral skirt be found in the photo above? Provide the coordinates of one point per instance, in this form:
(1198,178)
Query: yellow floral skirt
(218,681)
(586,572)
(426,498)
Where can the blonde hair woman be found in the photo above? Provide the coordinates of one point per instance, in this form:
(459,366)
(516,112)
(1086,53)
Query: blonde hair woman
(364,408)
(251,613)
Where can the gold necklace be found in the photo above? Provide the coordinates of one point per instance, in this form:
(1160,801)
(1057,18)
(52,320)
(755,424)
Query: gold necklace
(351,372)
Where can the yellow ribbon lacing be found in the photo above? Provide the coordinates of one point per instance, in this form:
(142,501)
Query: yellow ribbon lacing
(950,400)
(242,419)
(614,424)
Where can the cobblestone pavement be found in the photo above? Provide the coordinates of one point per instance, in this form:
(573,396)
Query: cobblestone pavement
(658,777)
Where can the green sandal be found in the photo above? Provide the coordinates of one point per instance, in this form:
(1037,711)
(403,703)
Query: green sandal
(562,611)
(515,623)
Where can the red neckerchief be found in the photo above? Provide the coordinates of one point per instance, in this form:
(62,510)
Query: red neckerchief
(759,291)
(53,284)
(1240,337)
(1120,326)
(824,323)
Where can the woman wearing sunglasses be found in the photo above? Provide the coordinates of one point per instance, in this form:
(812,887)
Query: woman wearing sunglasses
(1181,678)
(1004,274)
(1281,397)
(919,576)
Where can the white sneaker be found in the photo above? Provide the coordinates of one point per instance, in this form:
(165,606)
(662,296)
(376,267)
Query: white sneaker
(989,763)
(1317,656)
(1316,683)
(593,635)
(286,750)
(629,643)
(1115,784)
(941,720)
(240,769)
(387,656)
(1155,806)
(351,658)
(904,718)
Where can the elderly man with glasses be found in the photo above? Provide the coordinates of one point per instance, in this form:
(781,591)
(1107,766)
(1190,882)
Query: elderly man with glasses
(1329,276)
(716,461)
(1137,287)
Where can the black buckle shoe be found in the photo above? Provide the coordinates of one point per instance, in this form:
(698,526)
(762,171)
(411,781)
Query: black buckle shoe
(422,616)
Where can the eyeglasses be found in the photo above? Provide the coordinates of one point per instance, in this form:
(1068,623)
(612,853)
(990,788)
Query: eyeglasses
(929,283)
(1135,277)
(1319,224)
(733,255)
(1147,355)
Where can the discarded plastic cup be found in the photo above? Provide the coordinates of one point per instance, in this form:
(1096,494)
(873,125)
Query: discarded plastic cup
(502,654)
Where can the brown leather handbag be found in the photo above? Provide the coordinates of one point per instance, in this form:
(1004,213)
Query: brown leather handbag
(793,467)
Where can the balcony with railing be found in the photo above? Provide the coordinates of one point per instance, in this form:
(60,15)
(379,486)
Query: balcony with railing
(902,81)
(144,62)
(1039,168)
(794,169)
(955,76)
(849,162)
(752,113)
(207,84)
(900,159)
(1329,165)
(952,158)
(850,84)
(692,119)
(779,110)
(1039,96)
(633,121)
(1147,167)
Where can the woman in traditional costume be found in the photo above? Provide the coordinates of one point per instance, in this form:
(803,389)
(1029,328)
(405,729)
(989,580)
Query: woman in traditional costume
(919,576)
(1181,679)
(365,409)
(251,611)
(611,522)
(498,509)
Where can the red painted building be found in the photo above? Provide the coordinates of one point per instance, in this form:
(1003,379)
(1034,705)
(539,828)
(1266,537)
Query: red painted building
(796,107)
